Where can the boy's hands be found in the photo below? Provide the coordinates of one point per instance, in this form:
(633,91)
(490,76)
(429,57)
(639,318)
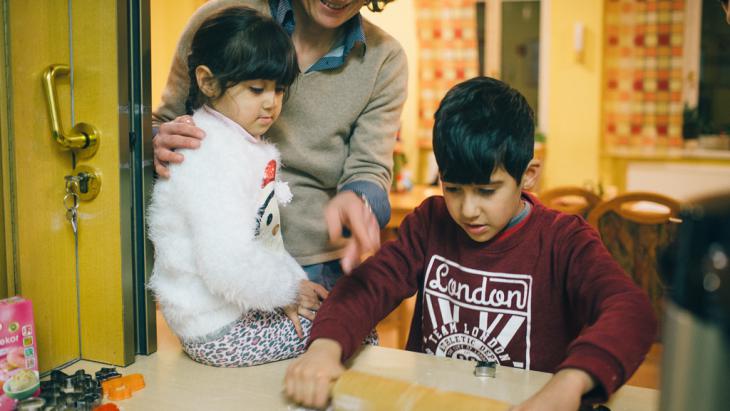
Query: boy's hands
(309,299)
(347,209)
(309,378)
(179,133)
(561,393)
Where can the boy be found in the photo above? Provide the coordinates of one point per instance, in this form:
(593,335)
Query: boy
(499,277)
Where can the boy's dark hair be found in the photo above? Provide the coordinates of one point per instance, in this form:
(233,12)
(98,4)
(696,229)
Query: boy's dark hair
(239,44)
(483,124)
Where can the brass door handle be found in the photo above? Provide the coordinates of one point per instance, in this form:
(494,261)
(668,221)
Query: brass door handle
(83,139)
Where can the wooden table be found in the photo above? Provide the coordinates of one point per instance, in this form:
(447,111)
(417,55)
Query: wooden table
(174,382)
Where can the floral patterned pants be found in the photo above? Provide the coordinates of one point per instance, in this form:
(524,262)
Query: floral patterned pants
(258,337)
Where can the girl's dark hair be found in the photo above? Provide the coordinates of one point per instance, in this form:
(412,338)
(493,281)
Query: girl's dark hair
(239,44)
(483,124)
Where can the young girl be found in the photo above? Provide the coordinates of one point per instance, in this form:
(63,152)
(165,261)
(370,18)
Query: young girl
(225,284)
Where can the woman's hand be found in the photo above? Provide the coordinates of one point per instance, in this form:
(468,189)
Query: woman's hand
(179,133)
(309,378)
(347,209)
(309,299)
(311,296)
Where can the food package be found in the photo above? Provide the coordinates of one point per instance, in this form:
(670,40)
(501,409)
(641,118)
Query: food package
(18,352)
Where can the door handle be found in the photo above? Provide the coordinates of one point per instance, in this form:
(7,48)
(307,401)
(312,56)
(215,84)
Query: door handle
(83,139)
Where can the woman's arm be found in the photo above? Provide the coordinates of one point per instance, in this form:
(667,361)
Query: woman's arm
(367,170)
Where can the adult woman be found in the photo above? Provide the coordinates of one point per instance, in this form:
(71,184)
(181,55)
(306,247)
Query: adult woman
(336,130)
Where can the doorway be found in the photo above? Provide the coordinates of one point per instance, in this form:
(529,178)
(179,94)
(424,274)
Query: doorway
(86,285)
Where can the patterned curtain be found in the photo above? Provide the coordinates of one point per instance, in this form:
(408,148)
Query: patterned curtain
(448,52)
(643,73)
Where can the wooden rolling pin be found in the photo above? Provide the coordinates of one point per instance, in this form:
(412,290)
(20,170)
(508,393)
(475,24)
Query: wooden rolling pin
(365,392)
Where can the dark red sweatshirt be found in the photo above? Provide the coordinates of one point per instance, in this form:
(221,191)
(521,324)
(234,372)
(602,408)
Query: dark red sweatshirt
(544,296)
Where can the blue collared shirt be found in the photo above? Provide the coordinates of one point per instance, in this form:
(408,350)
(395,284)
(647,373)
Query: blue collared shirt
(282,12)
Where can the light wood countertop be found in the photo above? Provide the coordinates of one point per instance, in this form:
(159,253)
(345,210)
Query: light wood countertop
(175,382)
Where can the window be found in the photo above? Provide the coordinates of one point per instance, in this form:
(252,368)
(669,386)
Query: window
(509,45)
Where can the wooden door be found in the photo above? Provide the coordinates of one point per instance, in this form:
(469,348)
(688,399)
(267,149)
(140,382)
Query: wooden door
(81,288)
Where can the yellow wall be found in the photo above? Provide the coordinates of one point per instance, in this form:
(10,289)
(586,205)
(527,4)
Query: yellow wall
(575,87)
(399,20)
(574,102)
(167,18)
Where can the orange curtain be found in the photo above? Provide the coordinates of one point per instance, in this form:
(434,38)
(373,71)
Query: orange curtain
(448,52)
(643,73)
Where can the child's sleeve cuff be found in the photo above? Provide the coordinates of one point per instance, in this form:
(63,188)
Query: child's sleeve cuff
(599,364)
(333,330)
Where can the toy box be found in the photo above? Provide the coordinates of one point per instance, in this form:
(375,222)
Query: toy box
(18,351)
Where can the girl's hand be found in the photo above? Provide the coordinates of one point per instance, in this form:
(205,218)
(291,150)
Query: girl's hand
(179,133)
(347,209)
(309,378)
(291,312)
(308,301)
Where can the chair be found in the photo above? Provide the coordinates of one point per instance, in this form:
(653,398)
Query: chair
(393,330)
(636,229)
(570,200)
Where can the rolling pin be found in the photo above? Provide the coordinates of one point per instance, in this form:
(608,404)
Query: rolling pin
(357,391)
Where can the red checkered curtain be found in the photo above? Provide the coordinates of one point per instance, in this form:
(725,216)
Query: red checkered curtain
(643,73)
(448,52)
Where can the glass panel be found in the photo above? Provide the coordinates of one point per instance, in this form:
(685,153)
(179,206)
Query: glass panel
(481,12)
(714,98)
(521,47)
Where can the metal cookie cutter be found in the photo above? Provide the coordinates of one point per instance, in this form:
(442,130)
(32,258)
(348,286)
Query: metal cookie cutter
(485,369)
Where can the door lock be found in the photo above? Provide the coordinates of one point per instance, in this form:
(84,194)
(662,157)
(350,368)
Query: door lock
(86,183)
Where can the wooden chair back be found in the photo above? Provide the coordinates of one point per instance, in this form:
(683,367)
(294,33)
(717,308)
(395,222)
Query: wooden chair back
(570,200)
(636,228)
